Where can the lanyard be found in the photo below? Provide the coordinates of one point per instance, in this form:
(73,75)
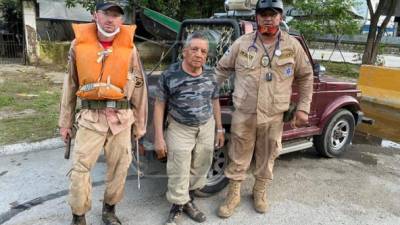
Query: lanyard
(266,60)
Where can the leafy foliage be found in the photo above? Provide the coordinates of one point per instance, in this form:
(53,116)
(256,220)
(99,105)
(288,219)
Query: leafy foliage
(178,9)
(324,17)
(11,19)
(88,4)
(387,8)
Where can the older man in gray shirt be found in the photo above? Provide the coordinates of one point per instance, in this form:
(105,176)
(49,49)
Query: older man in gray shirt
(191,93)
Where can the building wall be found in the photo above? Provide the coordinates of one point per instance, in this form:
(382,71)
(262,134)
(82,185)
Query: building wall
(31,43)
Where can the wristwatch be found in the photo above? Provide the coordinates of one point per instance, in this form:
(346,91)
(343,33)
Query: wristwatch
(222,130)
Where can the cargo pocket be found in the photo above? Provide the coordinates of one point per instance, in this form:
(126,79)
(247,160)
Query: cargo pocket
(277,150)
(246,61)
(239,98)
(90,115)
(123,116)
(285,68)
(279,105)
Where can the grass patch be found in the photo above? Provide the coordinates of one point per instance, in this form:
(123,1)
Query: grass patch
(30,128)
(28,90)
(342,69)
(6,101)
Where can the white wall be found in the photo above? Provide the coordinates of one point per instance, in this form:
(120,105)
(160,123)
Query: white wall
(31,43)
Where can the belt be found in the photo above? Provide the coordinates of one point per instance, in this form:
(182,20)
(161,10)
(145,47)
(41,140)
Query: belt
(102,104)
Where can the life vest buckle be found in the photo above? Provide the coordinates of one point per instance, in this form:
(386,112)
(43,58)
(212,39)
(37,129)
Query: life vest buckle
(111,104)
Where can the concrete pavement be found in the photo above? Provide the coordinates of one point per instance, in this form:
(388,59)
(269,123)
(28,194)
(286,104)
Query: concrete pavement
(362,187)
(351,57)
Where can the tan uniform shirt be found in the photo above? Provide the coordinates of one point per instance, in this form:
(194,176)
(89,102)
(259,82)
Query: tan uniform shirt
(253,93)
(102,120)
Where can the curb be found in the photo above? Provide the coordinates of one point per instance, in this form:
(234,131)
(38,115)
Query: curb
(49,144)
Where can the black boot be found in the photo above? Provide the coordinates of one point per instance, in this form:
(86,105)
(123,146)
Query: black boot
(174,214)
(108,215)
(78,220)
(192,211)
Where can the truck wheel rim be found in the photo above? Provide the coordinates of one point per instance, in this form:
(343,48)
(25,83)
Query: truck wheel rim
(339,135)
(216,172)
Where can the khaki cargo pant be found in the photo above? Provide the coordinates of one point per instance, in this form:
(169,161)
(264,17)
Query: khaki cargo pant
(248,139)
(88,145)
(190,154)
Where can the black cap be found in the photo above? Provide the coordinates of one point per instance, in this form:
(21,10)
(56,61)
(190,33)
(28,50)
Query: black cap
(108,5)
(275,5)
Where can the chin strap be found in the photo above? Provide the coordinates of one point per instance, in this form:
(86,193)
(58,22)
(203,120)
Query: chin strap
(105,33)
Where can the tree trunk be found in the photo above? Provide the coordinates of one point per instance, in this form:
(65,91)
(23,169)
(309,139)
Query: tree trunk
(373,40)
(367,59)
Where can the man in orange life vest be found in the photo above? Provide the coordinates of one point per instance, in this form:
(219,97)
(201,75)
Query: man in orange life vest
(105,73)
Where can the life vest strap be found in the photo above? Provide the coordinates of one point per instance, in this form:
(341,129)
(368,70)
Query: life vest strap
(91,86)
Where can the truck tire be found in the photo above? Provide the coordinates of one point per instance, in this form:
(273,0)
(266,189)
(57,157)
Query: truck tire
(337,134)
(216,180)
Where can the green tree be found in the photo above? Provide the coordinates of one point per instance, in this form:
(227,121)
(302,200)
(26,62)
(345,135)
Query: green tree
(178,9)
(11,11)
(387,8)
(324,17)
(87,4)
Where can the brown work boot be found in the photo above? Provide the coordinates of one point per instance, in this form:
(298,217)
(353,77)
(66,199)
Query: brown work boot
(108,215)
(232,200)
(260,196)
(78,220)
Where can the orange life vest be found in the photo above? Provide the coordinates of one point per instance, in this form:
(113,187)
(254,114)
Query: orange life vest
(102,73)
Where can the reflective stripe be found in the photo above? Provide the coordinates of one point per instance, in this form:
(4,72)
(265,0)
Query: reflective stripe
(91,86)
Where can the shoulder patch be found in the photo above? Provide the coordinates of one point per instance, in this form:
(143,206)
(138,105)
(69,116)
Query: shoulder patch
(139,82)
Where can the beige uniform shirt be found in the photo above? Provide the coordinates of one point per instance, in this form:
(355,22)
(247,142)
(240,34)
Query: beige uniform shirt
(253,93)
(102,120)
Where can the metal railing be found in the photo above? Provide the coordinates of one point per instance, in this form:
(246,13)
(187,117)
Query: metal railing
(11,49)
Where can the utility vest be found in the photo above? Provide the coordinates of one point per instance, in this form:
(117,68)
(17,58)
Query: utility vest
(102,73)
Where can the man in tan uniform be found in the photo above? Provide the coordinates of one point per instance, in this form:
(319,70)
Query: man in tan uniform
(265,63)
(106,74)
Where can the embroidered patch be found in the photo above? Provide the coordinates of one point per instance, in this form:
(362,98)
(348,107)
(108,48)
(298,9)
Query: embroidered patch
(246,54)
(139,82)
(286,54)
(288,71)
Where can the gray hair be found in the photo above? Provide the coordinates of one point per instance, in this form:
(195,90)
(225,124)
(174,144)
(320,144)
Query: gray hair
(194,35)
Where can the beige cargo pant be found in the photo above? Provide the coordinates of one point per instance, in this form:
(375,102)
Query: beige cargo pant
(248,139)
(190,154)
(88,145)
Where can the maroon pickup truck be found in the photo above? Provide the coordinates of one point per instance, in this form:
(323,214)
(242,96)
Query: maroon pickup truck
(335,108)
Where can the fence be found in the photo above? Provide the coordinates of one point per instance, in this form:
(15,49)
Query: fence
(12,44)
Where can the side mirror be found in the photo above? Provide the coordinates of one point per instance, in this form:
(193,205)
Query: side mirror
(319,69)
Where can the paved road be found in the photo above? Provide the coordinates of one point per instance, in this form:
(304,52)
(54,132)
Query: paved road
(351,57)
(362,187)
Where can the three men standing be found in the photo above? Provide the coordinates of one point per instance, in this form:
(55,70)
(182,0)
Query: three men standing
(265,62)
(109,80)
(106,74)
(190,92)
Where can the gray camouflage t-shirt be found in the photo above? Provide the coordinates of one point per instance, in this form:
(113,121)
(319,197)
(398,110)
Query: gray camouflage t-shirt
(189,98)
